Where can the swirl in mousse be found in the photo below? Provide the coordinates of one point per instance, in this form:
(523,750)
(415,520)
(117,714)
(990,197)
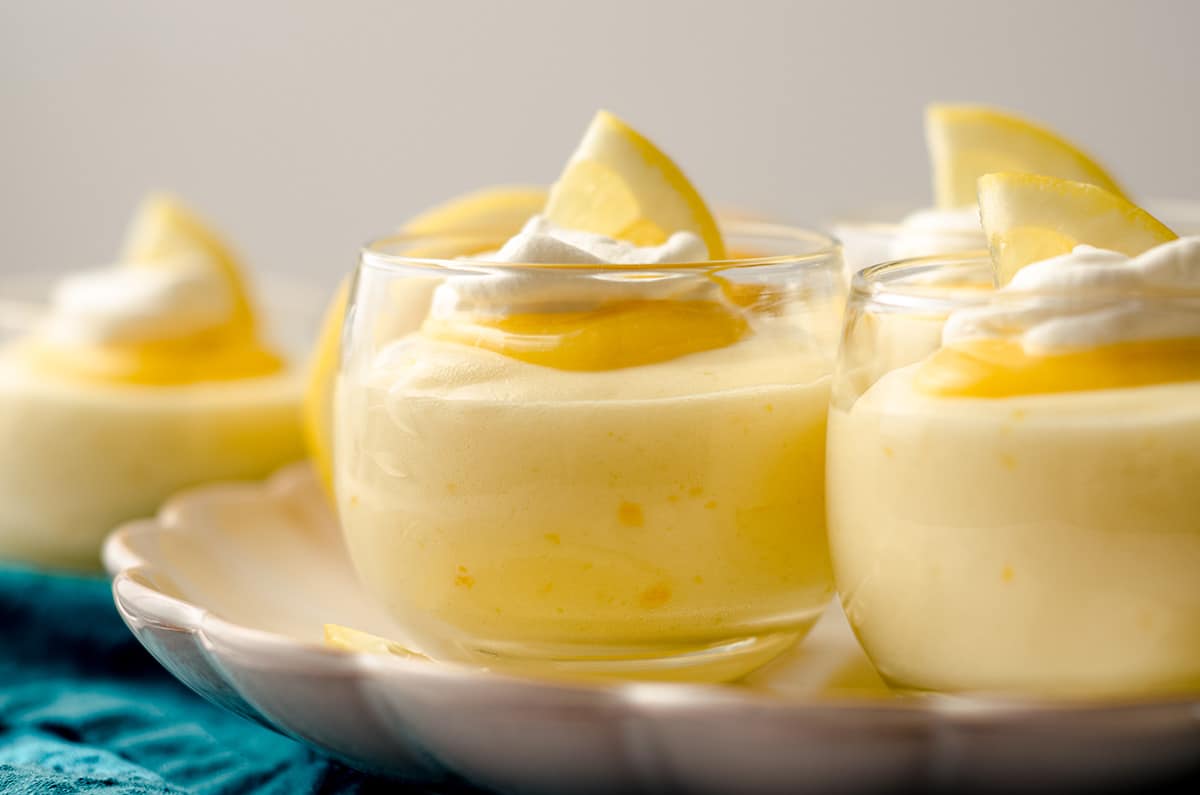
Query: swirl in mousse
(139,380)
(1017,510)
(598,449)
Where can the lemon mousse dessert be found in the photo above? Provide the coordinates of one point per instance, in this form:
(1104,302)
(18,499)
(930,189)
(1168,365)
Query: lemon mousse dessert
(138,380)
(1015,509)
(596,447)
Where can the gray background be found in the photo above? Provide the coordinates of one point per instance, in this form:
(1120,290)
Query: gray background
(303,128)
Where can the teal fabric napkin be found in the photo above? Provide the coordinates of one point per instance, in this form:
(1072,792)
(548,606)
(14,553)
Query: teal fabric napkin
(83,708)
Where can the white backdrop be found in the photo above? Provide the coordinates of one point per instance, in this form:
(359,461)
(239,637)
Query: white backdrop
(303,128)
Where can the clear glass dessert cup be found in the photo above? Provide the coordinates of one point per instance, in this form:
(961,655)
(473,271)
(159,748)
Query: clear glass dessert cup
(1028,544)
(594,470)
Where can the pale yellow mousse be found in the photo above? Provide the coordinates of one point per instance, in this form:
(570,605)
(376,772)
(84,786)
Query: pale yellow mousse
(1018,511)
(141,379)
(622,476)
(659,506)
(1043,543)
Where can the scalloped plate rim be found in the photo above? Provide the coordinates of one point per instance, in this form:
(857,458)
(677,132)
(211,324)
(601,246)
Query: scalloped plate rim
(140,603)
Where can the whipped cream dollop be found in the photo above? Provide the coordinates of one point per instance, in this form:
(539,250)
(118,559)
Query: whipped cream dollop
(507,290)
(131,303)
(934,231)
(541,242)
(1063,311)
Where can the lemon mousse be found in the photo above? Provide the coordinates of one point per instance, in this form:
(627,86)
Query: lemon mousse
(1017,510)
(137,381)
(600,450)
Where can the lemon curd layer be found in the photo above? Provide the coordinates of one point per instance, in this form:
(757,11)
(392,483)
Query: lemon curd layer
(1042,542)
(79,457)
(504,507)
(1003,367)
(606,337)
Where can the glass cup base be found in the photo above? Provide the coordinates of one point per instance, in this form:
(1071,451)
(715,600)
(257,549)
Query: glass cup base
(721,661)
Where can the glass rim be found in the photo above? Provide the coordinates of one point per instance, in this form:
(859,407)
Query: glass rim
(823,250)
(887,217)
(872,283)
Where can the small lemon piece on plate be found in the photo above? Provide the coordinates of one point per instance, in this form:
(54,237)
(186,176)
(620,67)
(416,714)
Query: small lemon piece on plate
(1028,218)
(349,639)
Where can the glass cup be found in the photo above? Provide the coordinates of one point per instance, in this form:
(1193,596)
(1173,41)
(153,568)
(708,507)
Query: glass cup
(1005,539)
(612,470)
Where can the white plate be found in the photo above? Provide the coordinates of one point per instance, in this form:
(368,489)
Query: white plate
(230,586)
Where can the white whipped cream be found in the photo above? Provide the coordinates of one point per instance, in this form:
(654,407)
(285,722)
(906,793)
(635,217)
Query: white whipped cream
(933,231)
(1062,313)
(541,242)
(129,304)
(505,290)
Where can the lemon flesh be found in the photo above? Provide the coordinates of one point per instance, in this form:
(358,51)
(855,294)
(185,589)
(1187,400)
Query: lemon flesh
(967,141)
(619,184)
(1028,218)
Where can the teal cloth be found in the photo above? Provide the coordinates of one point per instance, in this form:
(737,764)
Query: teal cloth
(83,708)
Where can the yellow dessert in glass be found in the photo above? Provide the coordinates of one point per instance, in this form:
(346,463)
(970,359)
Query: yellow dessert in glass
(137,380)
(596,447)
(1013,508)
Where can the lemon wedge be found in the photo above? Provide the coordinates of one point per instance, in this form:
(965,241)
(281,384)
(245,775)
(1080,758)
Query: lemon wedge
(968,141)
(165,232)
(618,183)
(1029,218)
(349,639)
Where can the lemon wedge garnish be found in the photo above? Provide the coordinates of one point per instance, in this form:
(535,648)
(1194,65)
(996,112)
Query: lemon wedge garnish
(165,232)
(968,141)
(349,639)
(618,183)
(1029,218)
